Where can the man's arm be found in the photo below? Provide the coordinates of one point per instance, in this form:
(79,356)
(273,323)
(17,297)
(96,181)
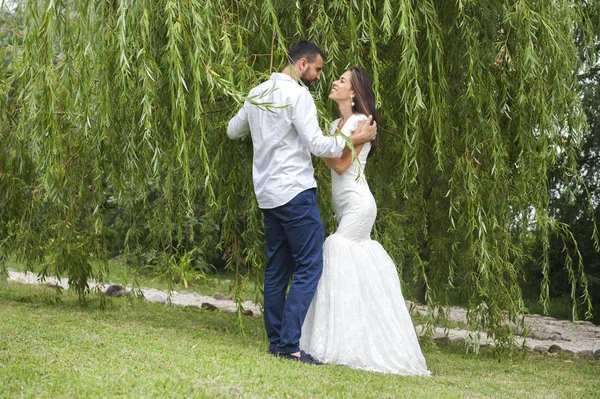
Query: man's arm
(238,125)
(304,114)
(307,126)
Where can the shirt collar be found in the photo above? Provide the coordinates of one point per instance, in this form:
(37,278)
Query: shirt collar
(282,76)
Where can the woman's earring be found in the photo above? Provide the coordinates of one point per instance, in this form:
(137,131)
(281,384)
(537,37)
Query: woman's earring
(352,103)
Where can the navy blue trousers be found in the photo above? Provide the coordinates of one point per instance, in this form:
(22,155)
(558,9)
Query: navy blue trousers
(295,235)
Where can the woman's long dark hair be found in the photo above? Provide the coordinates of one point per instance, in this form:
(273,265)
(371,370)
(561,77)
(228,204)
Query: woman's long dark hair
(364,99)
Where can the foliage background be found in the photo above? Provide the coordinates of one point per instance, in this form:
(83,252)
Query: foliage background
(113,116)
(574,209)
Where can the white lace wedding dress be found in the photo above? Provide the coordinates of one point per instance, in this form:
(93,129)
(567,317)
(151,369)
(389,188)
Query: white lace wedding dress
(358,317)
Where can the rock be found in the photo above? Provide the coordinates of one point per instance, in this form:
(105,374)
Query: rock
(540,349)
(556,337)
(441,339)
(542,336)
(584,323)
(248,312)
(209,306)
(116,259)
(597,354)
(158,297)
(221,297)
(458,340)
(115,291)
(515,328)
(568,352)
(554,349)
(586,354)
(51,285)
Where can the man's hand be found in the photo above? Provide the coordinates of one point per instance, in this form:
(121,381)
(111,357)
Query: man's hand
(365,132)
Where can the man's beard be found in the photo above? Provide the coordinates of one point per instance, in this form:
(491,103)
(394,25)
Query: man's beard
(305,80)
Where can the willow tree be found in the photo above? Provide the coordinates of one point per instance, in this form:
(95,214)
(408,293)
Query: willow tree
(125,103)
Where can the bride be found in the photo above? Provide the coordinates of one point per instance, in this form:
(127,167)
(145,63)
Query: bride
(358,317)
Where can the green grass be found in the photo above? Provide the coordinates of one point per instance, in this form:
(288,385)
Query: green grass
(138,349)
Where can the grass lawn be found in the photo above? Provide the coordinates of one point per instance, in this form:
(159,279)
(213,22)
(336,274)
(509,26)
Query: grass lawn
(137,349)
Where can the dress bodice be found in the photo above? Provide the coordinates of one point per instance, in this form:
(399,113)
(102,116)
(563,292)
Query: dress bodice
(353,202)
(358,166)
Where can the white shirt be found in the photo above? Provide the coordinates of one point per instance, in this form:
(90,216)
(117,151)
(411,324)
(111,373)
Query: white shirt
(283,139)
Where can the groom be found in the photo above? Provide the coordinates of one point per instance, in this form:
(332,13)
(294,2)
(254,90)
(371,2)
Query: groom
(284,137)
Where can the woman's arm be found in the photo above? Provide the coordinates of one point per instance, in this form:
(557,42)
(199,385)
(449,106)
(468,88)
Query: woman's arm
(341,164)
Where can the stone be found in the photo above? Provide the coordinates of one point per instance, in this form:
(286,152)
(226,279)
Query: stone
(556,337)
(458,340)
(220,296)
(597,354)
(248,312)
(115,291)
(584,323)
(540,349)
(515,328)
(441,339)
(542,336)
(51,285)
(209,306)
(568,352)
(554,349)
(586,354)
(116,259)
(155,297)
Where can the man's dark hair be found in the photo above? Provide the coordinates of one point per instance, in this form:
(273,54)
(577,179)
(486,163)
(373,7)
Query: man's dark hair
(303,49)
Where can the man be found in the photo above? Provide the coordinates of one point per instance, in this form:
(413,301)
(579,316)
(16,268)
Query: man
(283,137)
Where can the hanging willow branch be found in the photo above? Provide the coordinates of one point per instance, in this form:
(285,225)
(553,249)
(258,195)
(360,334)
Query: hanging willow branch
(128,101)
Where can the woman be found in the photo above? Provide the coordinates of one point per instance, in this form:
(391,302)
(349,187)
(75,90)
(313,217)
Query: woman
(358,317)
